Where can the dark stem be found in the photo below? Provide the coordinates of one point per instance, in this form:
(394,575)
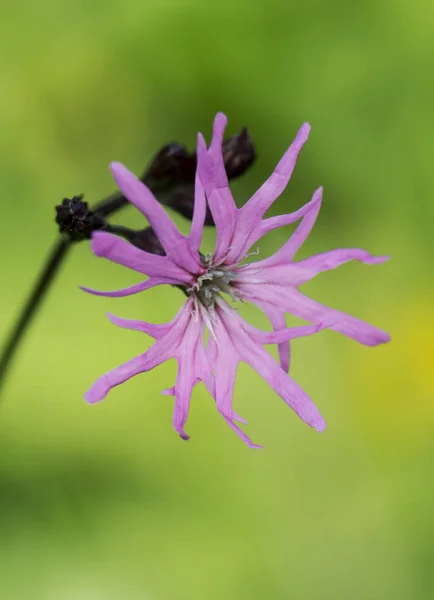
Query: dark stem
(104,208)
(109,205)
(56,257)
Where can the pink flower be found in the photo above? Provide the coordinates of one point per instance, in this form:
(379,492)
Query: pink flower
(272,284)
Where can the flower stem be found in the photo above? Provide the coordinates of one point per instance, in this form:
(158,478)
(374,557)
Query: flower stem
(56,257)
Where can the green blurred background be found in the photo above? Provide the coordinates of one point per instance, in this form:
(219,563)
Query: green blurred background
(106,502)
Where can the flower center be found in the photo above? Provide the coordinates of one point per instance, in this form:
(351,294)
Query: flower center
(214,281)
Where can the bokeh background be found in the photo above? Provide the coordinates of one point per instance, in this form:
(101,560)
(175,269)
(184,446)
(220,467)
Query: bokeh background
(106,502)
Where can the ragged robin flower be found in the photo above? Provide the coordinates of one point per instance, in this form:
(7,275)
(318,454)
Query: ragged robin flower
(209,279)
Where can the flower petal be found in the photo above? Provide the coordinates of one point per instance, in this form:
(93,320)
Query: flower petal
(155,330)
(183,389)
(278,321)
(226,364)
(271,271)
(123,253)
(267,225)
(206,362)
(164,348)
(199,212)
(211,351)
(278,336)
(106,382)
(264,364)
(225,375)
(168,391)
(281,334)
(250,215)
(212,172)
(240,433)
(204,369)
(313,311)
(187,376)
(291,393)
(291,300)
(173,242)
(132,289)
(289,249)
(261,201)
(310,267)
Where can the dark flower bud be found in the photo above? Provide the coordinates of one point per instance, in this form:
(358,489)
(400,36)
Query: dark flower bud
(172,165)
(238,153)
(172,172)
(76,220)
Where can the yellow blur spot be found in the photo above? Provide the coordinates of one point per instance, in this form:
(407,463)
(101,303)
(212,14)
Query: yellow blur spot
(395,382)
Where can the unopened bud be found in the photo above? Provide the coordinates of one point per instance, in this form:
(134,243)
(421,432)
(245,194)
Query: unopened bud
(76,220)
(238,153)
(172,172)
(171,166)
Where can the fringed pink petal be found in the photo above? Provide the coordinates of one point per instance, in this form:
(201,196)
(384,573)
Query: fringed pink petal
(132,289)
(279,336)
(204,368)
(267,225)
(272,223)
(163,349)
(219,176)
(261,201)
(291,393)
(211,351)
(310,267)
(251,214)
(205,375)
(173,242)
(310,310)
(290,248)
(199,212)
(225,375)
(175,328)
(212,172)
(106,382)
(240,433)
(263,363)
(271,271)
(239,418)
(168,391)
(225,366)
(155,330)
(183,389)
(188,373)
(291,300)
(123,253)
(160,352)
(278,321)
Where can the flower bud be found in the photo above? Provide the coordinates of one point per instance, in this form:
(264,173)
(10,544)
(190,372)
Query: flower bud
(172,172)
(76,220)
(238,153)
